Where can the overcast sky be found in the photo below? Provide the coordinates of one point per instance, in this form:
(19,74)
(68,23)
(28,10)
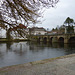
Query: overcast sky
(57,15)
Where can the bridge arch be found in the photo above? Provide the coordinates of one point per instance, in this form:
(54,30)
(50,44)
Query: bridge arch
(61,39)
(50,39)
(45,39)
(71,40)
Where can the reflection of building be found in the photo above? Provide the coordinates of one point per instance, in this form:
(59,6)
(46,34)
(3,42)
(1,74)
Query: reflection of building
(37,31)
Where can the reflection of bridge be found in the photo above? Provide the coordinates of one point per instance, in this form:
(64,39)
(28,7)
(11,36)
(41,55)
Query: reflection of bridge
(65,38)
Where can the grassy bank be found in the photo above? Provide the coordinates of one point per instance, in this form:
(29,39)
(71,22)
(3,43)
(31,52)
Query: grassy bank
(12,40)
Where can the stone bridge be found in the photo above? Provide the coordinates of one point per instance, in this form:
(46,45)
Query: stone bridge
(65,38)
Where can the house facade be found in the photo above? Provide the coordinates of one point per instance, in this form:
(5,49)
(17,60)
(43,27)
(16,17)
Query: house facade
(37,31)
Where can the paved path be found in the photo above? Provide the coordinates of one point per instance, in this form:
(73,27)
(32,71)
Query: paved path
(57,66)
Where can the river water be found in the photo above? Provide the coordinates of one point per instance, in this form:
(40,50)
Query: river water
(22,52)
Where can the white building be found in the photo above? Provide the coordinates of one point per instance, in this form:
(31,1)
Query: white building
(37,31)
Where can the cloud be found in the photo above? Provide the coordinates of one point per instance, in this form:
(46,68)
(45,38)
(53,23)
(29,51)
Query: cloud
(57,15)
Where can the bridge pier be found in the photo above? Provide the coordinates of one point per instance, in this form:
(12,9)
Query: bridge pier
(65,40)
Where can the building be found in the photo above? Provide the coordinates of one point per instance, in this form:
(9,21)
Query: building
(37,31)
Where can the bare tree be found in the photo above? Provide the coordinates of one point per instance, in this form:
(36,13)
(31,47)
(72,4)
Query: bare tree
(22,11)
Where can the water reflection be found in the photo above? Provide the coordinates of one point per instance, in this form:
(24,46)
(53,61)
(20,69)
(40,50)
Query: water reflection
(12,53)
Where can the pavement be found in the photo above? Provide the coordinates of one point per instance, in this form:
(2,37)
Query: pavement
(64,65)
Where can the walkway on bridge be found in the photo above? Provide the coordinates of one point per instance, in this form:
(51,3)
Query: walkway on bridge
(57,66)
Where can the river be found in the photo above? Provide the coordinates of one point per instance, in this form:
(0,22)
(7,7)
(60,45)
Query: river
(14,53)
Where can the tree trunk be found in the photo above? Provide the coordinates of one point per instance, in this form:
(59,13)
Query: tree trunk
(8,35)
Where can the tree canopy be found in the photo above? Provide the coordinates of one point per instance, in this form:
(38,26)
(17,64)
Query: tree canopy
(69,21)
(22,11)
(14,12)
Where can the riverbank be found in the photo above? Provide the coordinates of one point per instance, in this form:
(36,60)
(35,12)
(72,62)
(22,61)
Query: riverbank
(12,40)
(64,65)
